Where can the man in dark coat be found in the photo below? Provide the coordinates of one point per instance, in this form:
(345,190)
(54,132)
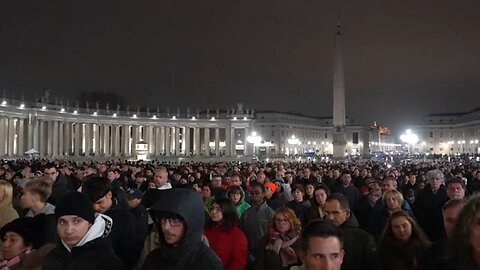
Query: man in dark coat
(179,217)
(359,246)
(346,188)
(84,244)
(428,206)
(98,190)
(61,183)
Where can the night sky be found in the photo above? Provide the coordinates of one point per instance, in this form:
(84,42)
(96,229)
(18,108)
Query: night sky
(403,59)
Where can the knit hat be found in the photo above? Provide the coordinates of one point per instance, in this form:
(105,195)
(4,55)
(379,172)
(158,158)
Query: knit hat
(77,204)
(271,186)
(25,227)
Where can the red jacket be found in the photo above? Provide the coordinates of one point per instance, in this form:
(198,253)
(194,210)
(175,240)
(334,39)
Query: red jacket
(230,246)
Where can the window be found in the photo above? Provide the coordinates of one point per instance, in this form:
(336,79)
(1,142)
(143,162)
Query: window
(273,133)
(431,134)
(326,135)
(355,137)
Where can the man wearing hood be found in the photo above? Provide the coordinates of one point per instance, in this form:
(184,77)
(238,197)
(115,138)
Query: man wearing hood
(83,243)
(179,217)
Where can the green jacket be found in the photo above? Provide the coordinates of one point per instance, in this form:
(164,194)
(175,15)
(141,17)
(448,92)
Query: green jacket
(359,246)
(242,206)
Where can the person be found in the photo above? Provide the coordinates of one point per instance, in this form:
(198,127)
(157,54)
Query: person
(254,221)
(402,242)
(456,188)
(279,247)
(61,185)
(19,245)
(34,198)
(320,195)
(321,247)
(465,237)
(134,196)
(360,249)
(366,206)
(83,243)
(237,195)
(346,187)
(299,205)
(393,201)
(225,236)
(160,182)
(7,212)
(179,218)
(428,206)
(271,195)
(123,234)
(309,189)
(438,256)
(207,197)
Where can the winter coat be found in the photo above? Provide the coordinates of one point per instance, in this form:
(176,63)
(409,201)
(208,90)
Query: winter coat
(231,246)
(352,193)
(359,246)
(94,252)
(141,227)
(59,189)
(7,214)
(123,235)
(267,259)
(428,211)
(254,224)
(301,209)
(190,252)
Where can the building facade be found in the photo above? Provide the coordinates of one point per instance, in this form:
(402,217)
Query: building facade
(449,134)
(57,131)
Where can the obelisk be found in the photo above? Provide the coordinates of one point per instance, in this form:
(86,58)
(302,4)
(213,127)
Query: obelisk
(339,142)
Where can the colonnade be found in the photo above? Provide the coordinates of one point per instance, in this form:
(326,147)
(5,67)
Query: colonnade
(64,137)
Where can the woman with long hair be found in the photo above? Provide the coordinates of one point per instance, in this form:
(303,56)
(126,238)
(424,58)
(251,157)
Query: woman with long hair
(7,212)
(225,236)
(465,239)
(392,201)
(278,249)
(320,195)
(402,242)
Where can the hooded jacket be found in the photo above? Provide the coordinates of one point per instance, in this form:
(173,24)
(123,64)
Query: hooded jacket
(242,205)
(93,252)
(190,252)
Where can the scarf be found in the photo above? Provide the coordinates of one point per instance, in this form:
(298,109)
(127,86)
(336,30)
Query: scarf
(281,245)
(15,262)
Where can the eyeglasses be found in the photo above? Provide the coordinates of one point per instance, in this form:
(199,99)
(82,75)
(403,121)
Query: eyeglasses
(174,222)
(280,220)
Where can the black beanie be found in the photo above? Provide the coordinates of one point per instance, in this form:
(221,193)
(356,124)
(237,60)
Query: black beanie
(77,204)
(25,227)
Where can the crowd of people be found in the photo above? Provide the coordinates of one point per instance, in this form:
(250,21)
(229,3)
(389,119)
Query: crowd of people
(237,216)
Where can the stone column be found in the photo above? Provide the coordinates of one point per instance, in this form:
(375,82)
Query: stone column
(177,141)
(55,139)
(157,141)
(162,139)
(126,140)
(35,128)
(61,137)
(134,139)
(245,143)
(228,142)
(106,139)
(50,138)
(217,142)
(41,137)
(11,135)
(96,135)
(116,141)
(151,141)
(3,131)
(30,136)
(196,141)
(78,141)
(21,137)
(186,141)
(168,141)
(207,141)
(67,143)
(88,139)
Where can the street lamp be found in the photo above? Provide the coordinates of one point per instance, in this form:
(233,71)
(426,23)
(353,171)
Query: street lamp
(409,138)
(254,139)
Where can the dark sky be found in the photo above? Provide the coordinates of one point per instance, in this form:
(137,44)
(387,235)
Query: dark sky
(403,59)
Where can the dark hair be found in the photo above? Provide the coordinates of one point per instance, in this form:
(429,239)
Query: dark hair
(324,187)
(256,184)
(299,188)
(418,237)
(96,187)
(49,166)
(456,180)
(229,213)
(461,249)
(319,228)
(452,203)
(342,200)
